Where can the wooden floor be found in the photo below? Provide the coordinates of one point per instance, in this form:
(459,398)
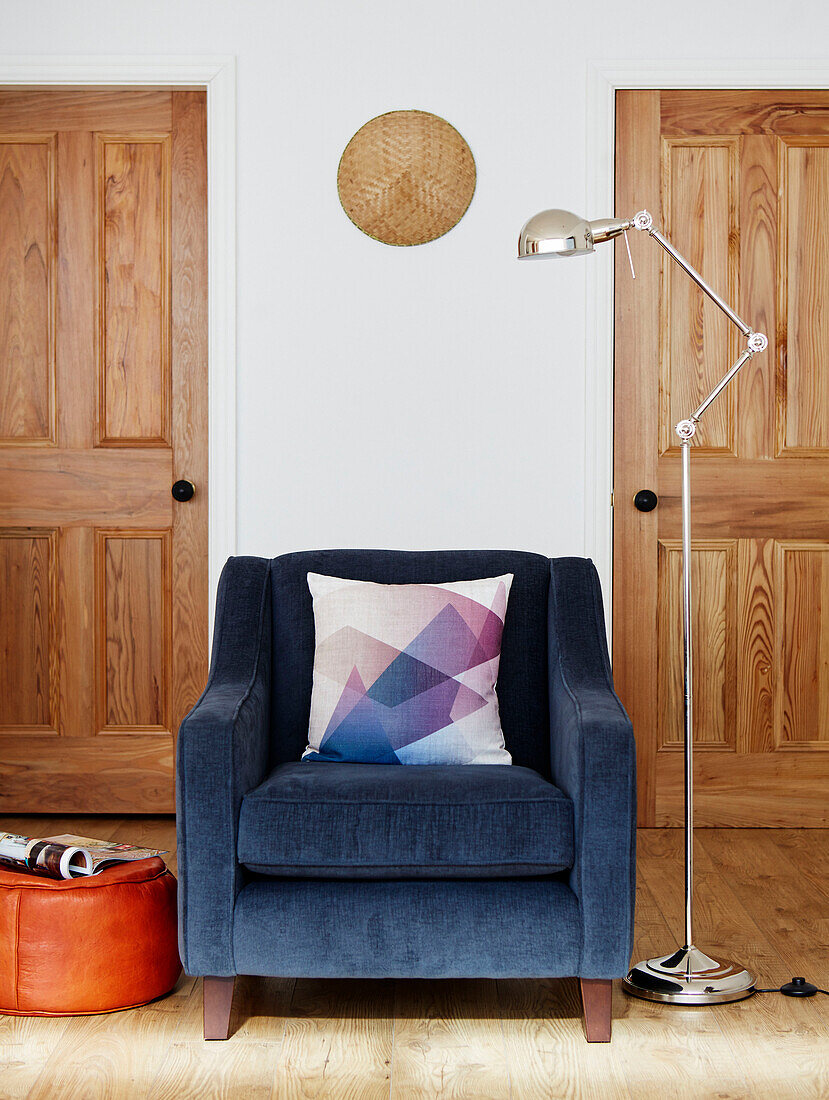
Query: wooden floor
(763,898)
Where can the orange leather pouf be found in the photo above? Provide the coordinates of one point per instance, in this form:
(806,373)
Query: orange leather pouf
(79,946)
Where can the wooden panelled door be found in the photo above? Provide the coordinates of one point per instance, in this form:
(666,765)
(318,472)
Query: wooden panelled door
(739,182)
(103,406)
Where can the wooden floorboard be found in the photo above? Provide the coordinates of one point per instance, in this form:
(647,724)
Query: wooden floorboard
(338,1041)
(762,897)
(448,1041)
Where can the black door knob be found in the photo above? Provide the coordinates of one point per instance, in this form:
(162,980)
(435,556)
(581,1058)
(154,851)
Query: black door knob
(183,490)
(646,500)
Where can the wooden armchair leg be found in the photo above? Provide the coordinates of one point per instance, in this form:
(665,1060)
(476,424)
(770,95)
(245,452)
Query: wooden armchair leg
(596,996)
(218,998)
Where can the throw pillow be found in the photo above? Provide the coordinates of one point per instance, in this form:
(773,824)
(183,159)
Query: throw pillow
(405,673)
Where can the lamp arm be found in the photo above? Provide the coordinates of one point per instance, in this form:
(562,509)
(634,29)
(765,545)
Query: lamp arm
(756,341)
(701,283)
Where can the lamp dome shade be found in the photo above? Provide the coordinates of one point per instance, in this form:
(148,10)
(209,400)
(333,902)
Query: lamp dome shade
(555,233)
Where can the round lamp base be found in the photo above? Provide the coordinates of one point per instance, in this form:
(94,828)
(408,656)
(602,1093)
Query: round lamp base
(689,977)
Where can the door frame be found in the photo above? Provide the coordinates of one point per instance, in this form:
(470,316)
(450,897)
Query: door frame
(216,75)
(604,79)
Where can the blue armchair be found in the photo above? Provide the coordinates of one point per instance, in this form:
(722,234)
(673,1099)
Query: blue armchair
(373,870)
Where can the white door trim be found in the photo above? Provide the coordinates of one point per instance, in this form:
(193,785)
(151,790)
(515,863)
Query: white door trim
(217,75)
(604,79)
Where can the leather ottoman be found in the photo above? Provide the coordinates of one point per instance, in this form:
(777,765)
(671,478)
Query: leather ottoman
(79,946)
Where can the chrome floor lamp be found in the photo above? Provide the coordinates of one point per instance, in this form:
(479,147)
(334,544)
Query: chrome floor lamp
(687,975)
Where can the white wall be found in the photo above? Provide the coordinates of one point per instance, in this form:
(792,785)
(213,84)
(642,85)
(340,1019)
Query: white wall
(410,397)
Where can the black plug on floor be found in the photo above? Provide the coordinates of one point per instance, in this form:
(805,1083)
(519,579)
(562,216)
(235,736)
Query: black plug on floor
(798,987)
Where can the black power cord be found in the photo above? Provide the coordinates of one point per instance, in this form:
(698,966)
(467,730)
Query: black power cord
(797,987)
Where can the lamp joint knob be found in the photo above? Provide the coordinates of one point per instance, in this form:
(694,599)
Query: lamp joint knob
(686,429)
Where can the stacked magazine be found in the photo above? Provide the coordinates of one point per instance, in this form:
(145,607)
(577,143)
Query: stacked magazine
(67,855)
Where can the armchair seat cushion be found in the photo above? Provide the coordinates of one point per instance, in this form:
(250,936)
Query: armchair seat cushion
(332,820)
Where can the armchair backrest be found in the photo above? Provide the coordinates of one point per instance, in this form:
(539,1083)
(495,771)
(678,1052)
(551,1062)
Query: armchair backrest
(523,676)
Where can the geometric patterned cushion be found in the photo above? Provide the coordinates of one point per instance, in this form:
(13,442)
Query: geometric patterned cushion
(405,673)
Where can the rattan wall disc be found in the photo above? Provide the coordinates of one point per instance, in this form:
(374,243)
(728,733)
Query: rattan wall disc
(406,177)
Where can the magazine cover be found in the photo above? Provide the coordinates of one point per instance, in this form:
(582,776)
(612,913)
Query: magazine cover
(103,852)
(67,855)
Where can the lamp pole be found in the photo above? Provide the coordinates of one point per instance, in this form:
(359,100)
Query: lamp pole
(687,975)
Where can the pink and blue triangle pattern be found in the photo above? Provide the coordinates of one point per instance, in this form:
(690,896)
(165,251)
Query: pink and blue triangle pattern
(405,674)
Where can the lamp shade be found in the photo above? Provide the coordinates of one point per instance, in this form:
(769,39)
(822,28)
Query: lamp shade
(555,233)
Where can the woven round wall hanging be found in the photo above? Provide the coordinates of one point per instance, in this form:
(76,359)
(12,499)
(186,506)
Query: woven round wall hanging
(406,177)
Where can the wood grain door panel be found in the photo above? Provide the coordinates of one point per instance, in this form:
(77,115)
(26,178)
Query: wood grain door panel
(739,183)
(803,275)
(103,405)
(133,264)
(27,288)
(713,574)
(132,573)
(699,201)
(28,630)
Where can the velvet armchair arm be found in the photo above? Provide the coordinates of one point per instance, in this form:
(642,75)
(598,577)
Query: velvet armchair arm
(222,753)
(594,762)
